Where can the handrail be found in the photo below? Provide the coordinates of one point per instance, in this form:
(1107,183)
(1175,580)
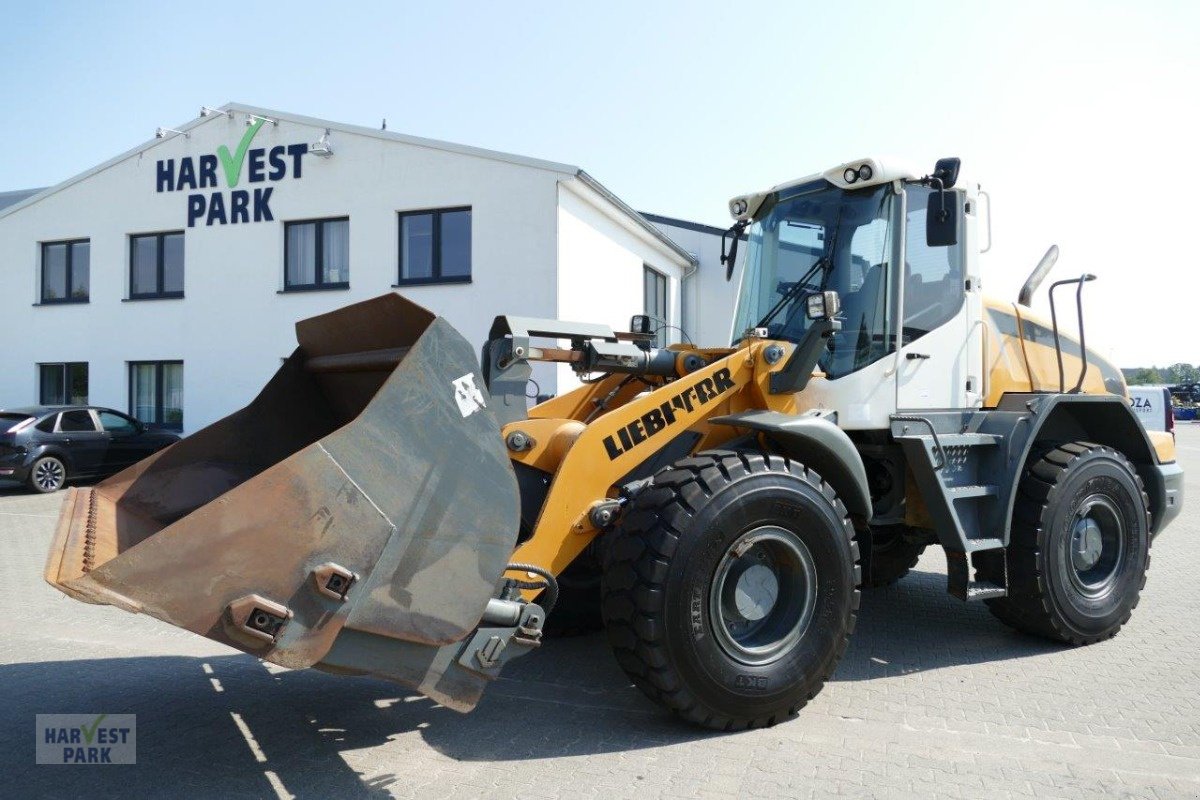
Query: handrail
(1081,280)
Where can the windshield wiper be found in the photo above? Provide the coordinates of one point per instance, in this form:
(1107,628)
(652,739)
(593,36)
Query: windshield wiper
(794,291)
(823,263)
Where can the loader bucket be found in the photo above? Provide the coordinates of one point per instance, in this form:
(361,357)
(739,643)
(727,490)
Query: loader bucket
(355,517)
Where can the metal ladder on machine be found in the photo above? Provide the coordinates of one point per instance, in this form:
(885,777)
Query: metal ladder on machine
(951,469)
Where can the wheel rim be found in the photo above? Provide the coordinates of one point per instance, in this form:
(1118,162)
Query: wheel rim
(763,595)
(1096,546)
(48,474)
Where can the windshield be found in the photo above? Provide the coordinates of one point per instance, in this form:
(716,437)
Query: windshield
(825,238)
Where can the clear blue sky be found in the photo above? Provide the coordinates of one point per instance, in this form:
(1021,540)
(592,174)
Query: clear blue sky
(1079,118)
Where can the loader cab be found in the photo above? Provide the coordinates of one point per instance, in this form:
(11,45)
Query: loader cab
(904,318)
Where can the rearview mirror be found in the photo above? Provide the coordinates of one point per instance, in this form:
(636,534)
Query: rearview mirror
(941,219)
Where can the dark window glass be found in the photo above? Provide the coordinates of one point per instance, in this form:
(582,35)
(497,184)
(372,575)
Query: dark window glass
(113,422)
(654,305)
(435,246)
(173,263)
(456,244)
(933,276)
(63,384)
(155,265)
(10,421)
(76,421)
(156,393)
(47,425)
(54,272)
(66,271)
(416,248)
(317,254)
(81,267)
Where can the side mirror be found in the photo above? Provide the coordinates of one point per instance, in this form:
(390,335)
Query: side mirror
(941,219)
(946,169)
(641,323)
(729,258)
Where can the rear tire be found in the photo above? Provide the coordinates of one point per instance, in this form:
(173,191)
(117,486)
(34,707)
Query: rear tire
(47,475)
(1079,546)
(894,551)
(730,589)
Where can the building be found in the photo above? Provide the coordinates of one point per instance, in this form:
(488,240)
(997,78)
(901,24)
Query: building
(165,281)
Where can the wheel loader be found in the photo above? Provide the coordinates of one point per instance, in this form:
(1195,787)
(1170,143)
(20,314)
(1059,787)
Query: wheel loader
(390,505)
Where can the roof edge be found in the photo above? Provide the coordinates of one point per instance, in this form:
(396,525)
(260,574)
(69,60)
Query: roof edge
(637,218)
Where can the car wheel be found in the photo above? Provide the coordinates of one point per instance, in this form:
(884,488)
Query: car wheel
(47,475)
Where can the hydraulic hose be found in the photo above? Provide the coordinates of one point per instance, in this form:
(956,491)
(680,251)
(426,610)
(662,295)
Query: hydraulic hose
(551,584)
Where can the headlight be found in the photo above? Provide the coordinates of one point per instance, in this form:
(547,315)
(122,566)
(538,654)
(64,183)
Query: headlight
(865,172)
(738,207)
(850,175)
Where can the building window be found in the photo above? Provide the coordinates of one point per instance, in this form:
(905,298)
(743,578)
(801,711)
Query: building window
(654,302)
(317,254)
(156,265)
(63,384)
(156,393)
(435,246)
(66,268)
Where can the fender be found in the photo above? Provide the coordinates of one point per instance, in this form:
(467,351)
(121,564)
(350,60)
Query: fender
(1103,419)
(814,440)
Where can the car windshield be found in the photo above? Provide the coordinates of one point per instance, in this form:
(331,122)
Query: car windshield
(827,238)
(10,421)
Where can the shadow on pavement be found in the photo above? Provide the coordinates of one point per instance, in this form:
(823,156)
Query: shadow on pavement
(569,699)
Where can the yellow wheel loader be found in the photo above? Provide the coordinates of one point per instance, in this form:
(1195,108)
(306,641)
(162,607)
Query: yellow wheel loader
(390,506)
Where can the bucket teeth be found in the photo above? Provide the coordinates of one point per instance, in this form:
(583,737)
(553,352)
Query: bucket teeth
(89,535)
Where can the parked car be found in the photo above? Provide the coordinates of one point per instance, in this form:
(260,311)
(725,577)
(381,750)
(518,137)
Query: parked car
(1152,405)
(45,446)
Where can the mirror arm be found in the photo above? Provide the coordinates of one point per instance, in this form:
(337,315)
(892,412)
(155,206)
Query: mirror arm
(797,372)
(728,259)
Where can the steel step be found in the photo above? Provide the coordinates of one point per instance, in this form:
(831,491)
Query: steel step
(972,490)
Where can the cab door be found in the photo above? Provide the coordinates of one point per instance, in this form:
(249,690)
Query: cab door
(940,347)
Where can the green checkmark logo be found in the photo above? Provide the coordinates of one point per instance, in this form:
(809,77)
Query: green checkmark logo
(233,163)
(90,733)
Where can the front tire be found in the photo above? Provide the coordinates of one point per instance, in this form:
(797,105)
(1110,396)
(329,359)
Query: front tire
(731,588)
(47,475)
(1079,546)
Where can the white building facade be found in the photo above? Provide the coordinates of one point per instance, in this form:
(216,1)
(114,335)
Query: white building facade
(166,281)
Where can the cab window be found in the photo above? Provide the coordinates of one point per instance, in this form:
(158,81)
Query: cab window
(933,276)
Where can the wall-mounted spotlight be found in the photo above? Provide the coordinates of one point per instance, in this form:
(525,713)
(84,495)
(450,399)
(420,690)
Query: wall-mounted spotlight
(252,118)
(321,147)
(205,111)
(161,133)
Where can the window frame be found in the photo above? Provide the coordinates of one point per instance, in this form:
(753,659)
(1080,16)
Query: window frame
(319,284)
(65,366)
(157,423)
(70,270)
(160,266)
(662,283)
(435,247)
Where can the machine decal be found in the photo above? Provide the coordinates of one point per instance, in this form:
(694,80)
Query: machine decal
(657,419)
(467,395)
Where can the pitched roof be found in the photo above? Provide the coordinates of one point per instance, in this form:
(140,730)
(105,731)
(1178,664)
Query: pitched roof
(567,170)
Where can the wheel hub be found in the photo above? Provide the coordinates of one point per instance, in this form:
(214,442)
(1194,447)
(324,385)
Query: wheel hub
(1086,544)
(763,595)
(1097,546)
(48,475)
